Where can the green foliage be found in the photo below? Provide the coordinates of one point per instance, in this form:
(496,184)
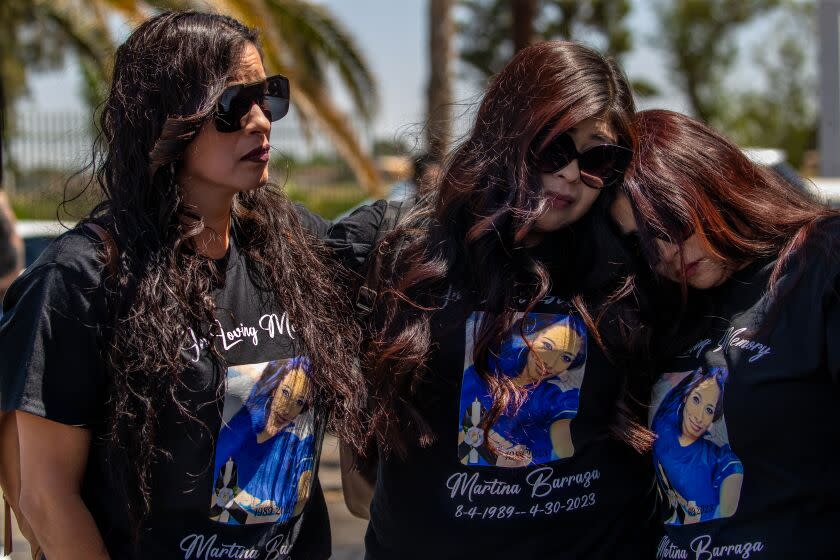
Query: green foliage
(317,41)
(30,39)
(40,192)
(486,30)
(390,147)
(300,39)
(699,39)
(303,40)
(328,200)
(597,22)
(486,41)
(783,114)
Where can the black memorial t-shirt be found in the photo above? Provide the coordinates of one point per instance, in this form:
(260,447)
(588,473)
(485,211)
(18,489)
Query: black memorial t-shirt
(240,483)
(551,482)
(745,418)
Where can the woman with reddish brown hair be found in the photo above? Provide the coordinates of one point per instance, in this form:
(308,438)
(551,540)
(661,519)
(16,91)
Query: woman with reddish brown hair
(758,264)
(494,405)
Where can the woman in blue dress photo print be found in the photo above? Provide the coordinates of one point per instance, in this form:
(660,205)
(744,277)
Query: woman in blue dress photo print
(549,363)
(265,454)
(698,472)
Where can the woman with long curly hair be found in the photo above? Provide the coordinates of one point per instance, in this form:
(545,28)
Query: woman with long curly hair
(133,347)
(744,410)
(496,412)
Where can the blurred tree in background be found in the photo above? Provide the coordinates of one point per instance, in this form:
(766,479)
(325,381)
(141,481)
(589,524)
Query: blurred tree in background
(35,35)
(439,87)
(700,42)
(771,102)
(493,30)
(699,39)
(783,112)
(300,39)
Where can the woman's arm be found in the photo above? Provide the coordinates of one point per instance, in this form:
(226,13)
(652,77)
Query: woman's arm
(730,493)
(561,438)
(352,239)
(357,489)
(53,457)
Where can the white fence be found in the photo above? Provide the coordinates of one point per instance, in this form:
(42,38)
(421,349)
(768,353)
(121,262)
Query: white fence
(63,140)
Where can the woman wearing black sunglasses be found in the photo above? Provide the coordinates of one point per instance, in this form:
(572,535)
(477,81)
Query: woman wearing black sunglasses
(170,367)
(496,413)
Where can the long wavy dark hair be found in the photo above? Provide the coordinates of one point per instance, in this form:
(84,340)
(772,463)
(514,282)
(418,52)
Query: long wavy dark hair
(468,236)
(167,78)
(686,178)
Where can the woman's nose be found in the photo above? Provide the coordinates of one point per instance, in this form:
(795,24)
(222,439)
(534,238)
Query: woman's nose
(256,119)
(667,250)
(570,173)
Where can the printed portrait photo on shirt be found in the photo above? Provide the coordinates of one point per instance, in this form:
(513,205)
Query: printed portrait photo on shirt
(265,451)
(549,363)
(699,475)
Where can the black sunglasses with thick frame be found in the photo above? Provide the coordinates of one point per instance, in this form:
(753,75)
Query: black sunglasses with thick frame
(600,166)
(632,240)
(271,95)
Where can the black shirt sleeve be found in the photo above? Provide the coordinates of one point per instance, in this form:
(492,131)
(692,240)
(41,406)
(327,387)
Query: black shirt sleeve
(312,222)
(353,238)
(826,274)
(832,329)
(51,364)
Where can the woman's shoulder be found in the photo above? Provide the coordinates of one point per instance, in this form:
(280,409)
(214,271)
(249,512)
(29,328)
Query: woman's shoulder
(314,223)
(77,253)
(362,225)
(818,255)
(352,238)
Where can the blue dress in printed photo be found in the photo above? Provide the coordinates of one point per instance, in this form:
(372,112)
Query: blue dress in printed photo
(549,364)
(698,473)
(266,447)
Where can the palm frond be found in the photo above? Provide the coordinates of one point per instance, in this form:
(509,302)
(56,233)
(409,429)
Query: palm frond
(87,36)
(309,27)
(318,106)
(301,40)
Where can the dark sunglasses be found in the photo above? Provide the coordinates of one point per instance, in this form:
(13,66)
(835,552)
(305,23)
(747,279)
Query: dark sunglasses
(600,166)
(632,240)
(271,95)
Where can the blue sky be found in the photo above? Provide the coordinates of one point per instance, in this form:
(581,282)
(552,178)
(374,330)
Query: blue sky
(392,36)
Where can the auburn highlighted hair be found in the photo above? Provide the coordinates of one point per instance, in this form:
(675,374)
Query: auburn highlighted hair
(688,179)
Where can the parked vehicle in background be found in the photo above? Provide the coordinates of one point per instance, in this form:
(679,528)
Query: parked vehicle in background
(824,188)
(827,188)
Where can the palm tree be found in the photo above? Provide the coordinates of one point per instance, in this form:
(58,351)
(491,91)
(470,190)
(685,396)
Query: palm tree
(439,89)
(300,39)
(523,13)
(35,34)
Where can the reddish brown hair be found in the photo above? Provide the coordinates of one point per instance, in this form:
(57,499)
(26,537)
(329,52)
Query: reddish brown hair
(469,235)
(686,177)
